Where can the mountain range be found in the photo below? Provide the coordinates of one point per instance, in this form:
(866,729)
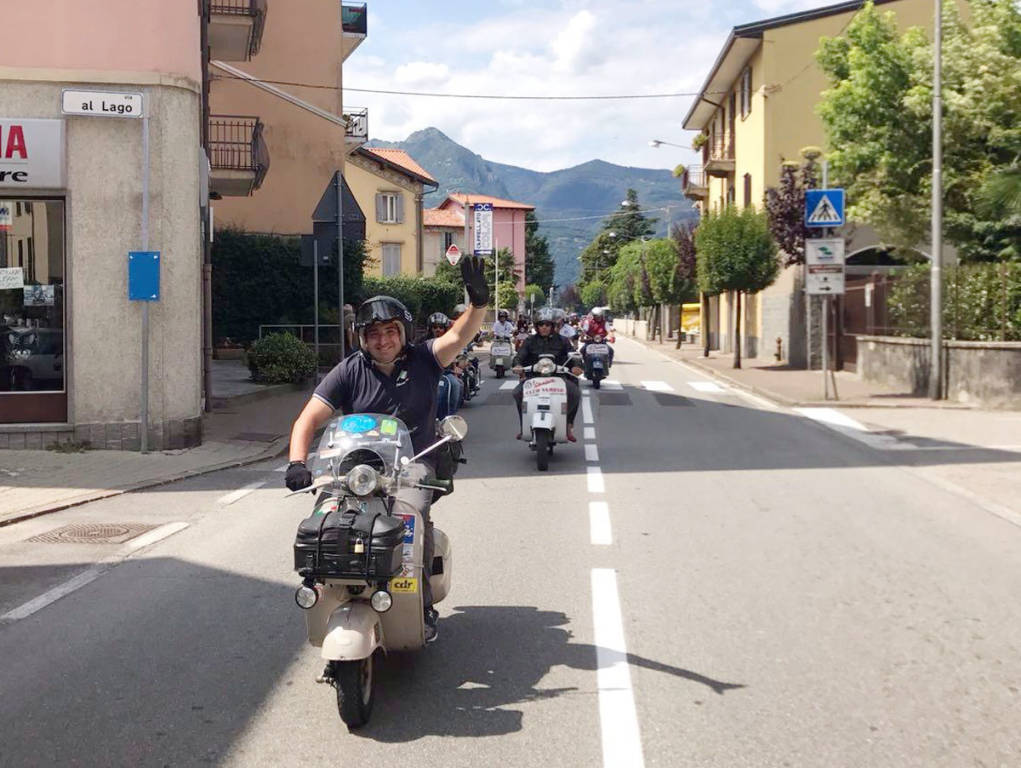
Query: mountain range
(584,194)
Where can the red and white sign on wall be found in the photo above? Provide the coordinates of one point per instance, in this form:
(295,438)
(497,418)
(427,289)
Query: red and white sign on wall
(31,153)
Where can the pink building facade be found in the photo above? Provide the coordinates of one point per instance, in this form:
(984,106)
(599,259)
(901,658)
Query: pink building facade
(508,226)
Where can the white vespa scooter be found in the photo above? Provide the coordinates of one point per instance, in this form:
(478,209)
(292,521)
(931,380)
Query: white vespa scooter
(501,353)
(544,408)
(360,553)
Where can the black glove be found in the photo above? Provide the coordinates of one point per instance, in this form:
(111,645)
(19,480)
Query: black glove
(297,476)
(474,273)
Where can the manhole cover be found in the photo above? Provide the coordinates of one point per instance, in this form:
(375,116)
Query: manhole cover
(92,533)
(255,437)
(665,398)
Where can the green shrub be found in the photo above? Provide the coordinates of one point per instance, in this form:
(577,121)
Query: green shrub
(281,358)
(421,295)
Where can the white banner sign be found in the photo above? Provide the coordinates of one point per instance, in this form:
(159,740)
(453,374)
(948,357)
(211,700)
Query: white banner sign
(31,153)
(825,280)
(11,278)
(829,250)
(483,241)
(101,103)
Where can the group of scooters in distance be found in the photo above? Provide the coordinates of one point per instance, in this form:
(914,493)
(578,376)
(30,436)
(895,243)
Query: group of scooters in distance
(360,555)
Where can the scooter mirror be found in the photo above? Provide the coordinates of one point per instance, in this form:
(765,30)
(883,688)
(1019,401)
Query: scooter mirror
(454,427)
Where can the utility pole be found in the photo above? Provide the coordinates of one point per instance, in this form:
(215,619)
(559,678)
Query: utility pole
(340,265)
(936,287)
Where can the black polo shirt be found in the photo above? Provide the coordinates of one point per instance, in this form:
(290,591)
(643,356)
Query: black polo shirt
(356,386)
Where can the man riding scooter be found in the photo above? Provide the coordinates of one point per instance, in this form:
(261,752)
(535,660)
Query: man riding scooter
(450,390)
(392,375)
(503,328)
(545,341)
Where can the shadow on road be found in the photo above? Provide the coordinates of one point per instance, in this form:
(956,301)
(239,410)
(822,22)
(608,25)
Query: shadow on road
(489,658)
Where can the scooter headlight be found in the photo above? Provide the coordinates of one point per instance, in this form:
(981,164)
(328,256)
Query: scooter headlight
(381,601)
(362,480)
(306,596)
(545,367)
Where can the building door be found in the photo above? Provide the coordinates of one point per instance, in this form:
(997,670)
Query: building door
(33,383)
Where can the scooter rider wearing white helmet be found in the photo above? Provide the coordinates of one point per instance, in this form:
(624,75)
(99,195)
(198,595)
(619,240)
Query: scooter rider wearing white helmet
(392,375)
(503,328)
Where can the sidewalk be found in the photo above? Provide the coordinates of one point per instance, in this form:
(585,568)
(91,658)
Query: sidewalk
(249,426)
(794,386)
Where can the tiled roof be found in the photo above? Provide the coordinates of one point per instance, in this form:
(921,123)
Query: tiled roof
(402,159)
(442,217)
(496,201)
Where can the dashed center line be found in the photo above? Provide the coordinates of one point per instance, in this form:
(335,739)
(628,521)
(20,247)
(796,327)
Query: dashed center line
(590,433)
(595,480)
(586,410)
(599,523)
(591,452)
(240,493)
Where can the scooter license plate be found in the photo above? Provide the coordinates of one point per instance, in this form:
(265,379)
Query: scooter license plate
(597,365)
(597,349)
(497,361)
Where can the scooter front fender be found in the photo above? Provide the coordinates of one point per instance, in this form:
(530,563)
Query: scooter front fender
(353,632)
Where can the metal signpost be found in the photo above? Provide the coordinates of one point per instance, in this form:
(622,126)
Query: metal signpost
(824,261)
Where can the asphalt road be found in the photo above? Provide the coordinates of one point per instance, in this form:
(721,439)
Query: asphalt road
(784,595)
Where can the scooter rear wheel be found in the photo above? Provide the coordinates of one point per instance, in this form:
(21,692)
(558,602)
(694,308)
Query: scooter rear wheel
(542,450)
(354,681)
(499,371)
(595,383)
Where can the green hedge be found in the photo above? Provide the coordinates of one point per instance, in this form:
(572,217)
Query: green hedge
(281,358)
(981,302)
(421,295)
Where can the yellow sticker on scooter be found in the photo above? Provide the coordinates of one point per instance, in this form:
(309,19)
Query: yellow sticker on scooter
(404,586)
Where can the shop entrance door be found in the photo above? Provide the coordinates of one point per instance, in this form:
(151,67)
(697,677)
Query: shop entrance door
(33,381)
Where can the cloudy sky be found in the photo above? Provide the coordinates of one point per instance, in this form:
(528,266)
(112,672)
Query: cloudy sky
(546,47)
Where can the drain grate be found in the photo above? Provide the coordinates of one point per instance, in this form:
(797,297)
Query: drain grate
(92,533)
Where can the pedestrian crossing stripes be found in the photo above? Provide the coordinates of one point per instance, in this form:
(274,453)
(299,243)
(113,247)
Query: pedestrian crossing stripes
(706,386)
(657,386)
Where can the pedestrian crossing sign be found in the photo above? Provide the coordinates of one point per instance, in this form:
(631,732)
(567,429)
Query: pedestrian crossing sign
(824,207)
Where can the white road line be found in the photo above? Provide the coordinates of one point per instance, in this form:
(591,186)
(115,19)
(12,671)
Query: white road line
(595,480)
(591,452)
(657,386)
(90,574)
(611,384)
(600,532)
(622,741)
(590,433)
(508,385)
(586,411)
(847,426)
(760,401)
(706,386)
(240,493)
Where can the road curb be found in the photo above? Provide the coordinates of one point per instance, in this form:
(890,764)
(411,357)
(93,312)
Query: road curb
(268,390)
(276,448)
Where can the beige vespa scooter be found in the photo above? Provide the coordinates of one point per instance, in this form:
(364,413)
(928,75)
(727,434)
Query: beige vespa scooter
(360,553)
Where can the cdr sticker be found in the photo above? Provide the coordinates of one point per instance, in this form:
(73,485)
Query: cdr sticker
(404,586)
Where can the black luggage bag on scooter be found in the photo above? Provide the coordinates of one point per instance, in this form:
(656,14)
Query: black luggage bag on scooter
(348,544)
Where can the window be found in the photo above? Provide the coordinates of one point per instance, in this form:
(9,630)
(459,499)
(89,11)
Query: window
(746,93)
(747,190)
(391,259)
(390,208)
(448,240)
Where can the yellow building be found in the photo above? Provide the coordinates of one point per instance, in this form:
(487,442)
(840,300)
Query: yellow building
(388,185)
(755,109)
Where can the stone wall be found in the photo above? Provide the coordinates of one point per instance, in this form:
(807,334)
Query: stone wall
(986,373)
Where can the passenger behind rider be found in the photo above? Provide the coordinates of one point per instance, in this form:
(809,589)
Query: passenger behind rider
(597,326)
(450,391)
(546,342)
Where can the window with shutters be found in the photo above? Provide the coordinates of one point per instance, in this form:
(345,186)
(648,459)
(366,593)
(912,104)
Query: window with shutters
(391,259)
(448,240)
(746,93)
(390,208)
(747,190)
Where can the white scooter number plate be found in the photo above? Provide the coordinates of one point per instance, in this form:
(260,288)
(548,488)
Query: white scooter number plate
(597,349)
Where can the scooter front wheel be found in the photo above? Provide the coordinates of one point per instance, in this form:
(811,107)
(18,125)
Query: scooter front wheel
(354,681)
(542,450)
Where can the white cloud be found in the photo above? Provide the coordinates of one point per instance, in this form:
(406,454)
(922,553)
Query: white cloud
(575,45)
(421,73)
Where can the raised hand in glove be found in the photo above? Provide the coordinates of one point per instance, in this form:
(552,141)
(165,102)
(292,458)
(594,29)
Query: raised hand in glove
(474,274)
(297,476)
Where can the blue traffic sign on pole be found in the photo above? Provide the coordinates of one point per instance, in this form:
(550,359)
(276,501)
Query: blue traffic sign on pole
(824,207)
(144,275)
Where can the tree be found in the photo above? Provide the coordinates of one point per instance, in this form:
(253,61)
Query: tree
(785,208)
(878,120)
(735,253)
(626,225)
(539,267)
(593,293)
(683,236)
(509,276)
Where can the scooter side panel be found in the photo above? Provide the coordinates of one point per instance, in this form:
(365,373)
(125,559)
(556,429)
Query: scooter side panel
(440,582)
(403,626)
(353,632)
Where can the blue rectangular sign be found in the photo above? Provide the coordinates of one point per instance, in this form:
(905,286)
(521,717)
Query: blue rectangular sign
(824,207)
(144,275)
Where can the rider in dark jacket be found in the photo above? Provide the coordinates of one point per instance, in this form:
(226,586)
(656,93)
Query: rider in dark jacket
(547,342)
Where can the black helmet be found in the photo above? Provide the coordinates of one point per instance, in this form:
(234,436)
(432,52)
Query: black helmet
(381,309)
(438,318)
(502,314)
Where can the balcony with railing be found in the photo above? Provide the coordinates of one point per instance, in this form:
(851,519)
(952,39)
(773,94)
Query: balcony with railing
(718,155)
(695,183)
(357,131)
(235,28)
(238,156)
(354,22)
